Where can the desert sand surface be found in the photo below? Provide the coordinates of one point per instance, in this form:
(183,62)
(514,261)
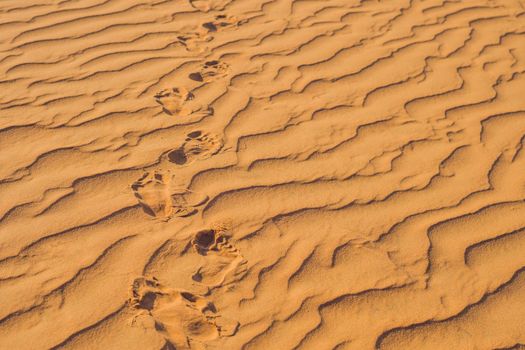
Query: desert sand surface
(262,174)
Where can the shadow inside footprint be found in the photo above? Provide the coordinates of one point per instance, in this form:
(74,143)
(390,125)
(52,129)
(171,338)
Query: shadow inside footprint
(196,77)
(147,301)
(168,346)
(210,26)
(206,240)
(194,135)
(177,156)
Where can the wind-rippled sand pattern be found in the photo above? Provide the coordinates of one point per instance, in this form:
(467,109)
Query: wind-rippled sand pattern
(262,174)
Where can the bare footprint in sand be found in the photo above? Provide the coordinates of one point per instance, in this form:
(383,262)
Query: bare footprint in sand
(194,41)
(179,101)
(222,22)
(211,71)
(223,264)
(184,319)
(158,199)
(209,5)
(173,100)
(197,146)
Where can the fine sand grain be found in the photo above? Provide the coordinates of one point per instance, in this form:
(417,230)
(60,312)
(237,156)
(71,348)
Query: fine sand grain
(262,174)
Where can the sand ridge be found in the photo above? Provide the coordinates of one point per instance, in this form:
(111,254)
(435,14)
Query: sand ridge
(262,174)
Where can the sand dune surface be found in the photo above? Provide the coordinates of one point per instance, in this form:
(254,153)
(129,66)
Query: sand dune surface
(262,174)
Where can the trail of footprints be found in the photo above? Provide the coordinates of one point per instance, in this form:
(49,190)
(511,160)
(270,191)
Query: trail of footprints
(179,101)
(194,41)
(184,319)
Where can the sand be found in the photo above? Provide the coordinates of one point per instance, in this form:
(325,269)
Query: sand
(262,174)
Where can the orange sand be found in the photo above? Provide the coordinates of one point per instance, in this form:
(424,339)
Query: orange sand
(262,174)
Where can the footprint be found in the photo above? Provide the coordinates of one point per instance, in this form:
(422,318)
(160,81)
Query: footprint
(180,102)
(208,5)
(197,146)
(158,199)
(173,100)
(194,41)
(152,191)
(223,262)
(222,22)
(210,71)
(184,319)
